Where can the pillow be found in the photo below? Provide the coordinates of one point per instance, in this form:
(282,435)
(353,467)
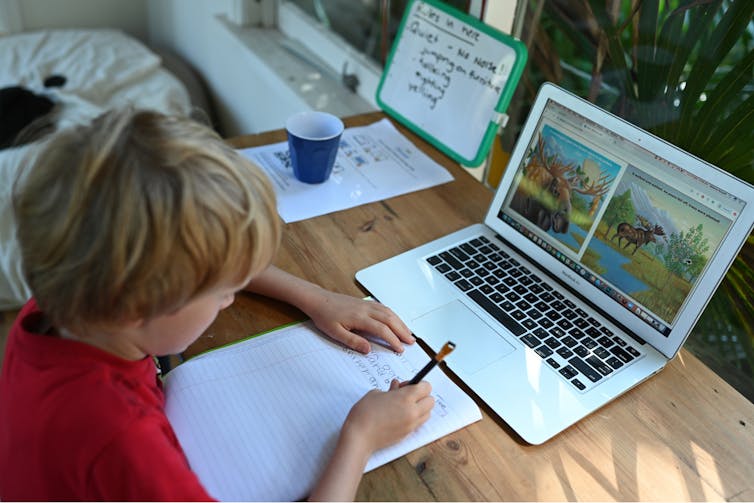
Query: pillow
(100,69)
(13,289)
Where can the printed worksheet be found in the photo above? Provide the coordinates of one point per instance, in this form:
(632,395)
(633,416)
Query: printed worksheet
(374,162)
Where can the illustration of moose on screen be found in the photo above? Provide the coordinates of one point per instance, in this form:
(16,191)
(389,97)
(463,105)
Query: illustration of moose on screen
(544,193)
(638,236)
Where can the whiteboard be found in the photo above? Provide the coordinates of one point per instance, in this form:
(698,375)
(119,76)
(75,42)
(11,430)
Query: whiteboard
(449,78)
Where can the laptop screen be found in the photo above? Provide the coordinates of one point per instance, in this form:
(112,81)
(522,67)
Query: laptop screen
(640,229)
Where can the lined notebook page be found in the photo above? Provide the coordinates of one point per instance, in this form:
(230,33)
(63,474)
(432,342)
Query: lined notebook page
(259,419)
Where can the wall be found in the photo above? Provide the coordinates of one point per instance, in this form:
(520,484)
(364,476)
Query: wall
(129,15)
(246,94)
(256,81)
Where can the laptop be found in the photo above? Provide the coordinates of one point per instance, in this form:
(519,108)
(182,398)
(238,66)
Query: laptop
(600,250)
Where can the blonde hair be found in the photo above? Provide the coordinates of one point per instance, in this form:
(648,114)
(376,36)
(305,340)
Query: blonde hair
(135,215)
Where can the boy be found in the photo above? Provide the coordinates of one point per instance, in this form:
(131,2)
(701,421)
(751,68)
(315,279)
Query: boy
(135,231)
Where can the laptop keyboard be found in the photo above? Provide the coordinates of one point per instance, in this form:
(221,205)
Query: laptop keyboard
(579,347)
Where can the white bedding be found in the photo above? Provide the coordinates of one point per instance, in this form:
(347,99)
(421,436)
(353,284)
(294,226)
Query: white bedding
(103,69)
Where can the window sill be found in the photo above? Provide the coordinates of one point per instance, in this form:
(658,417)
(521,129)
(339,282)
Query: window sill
(298,69)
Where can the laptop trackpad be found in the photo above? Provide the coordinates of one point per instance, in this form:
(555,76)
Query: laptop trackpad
(477,344)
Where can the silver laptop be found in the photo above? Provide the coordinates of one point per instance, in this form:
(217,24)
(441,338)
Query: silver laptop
(601,248)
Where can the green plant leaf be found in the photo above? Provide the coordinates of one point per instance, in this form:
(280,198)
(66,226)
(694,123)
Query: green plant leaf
(585,46)
(730,27)
(675,44)
(700,14)
(739,122)
(600,14)
(648,77)
(740,162)
(722,96)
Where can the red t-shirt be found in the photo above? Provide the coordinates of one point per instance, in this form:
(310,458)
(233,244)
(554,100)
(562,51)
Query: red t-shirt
(78,423)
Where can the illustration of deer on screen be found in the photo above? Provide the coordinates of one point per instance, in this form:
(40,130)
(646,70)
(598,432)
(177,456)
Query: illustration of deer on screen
(638,236)
(545,191)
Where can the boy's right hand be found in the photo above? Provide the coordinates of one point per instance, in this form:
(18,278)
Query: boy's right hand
(382,418)
(379,419)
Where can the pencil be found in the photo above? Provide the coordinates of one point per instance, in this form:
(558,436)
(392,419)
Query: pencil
(444,351)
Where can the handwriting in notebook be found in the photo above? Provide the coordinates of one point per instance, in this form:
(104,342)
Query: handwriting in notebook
(259,419)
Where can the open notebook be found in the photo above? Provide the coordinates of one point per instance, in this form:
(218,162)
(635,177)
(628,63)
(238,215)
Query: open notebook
(258,419)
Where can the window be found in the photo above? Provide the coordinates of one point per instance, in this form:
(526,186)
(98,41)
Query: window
(354,37)
(367,25)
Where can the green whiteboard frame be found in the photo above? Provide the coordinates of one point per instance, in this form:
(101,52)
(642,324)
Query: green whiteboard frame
(506,94)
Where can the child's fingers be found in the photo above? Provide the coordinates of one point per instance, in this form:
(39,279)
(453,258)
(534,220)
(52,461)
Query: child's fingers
(350,339)
(382,331)
(426,404)
(394,323)
(423,418)
(418,391)
(423,389)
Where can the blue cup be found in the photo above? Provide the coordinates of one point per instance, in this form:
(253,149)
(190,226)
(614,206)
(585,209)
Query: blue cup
(313,140)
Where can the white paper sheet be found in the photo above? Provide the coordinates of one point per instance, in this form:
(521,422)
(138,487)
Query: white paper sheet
(259,419)
(374,162)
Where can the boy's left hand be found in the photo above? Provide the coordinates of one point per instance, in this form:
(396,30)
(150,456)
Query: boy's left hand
(345,318)
(342,317)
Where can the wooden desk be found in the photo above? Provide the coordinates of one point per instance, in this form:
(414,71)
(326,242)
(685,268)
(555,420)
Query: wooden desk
(683,435)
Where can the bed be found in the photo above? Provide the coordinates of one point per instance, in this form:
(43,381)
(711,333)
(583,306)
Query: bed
(100,69)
